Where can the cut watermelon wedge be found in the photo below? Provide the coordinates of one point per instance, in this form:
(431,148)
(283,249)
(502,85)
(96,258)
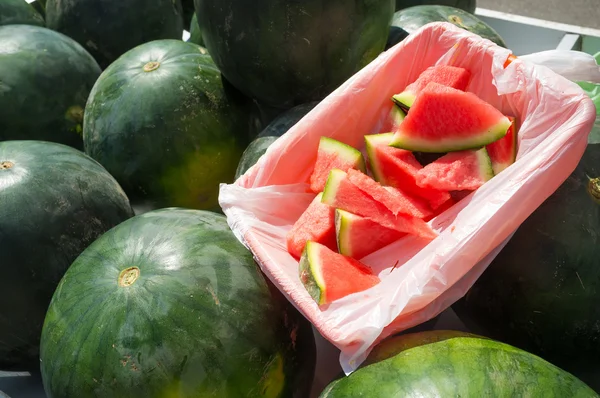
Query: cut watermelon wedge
(450,76)
(503,152)
(398,168)
(358,237)
(444,119)
(342,194)
(329,276)
(333,154)
(317,223)
(394,119)
(457,171)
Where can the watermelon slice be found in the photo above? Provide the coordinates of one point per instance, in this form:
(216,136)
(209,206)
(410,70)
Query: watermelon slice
(333,154)
(398,168)
(457,171)
(329,276)
(340,193)
(358,237)
(444,119)
(317,223)
(394,119)
(503,152)
(451,76)
(394,199)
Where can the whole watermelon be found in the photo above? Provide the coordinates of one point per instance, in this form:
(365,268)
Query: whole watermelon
(161,122)
(170,304)
(408,20)
(455,364)
(17,12)
(109,28)
(288,52)
(55,202)
(467,5)
(542,291)
(45,80)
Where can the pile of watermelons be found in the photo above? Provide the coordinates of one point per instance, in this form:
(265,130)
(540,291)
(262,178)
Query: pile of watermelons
(119,274)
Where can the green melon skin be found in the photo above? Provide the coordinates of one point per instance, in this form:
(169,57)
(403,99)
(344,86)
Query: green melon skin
(293,51)
(45,80)
(466,5)
(408,20)
(109,28)
(170,304)
(19,12)
(161,122)
(195,33)
(453,364)
(541,292)
(55,201)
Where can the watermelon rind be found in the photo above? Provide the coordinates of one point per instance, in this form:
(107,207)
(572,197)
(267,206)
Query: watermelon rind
(485,165)
(371,143)
(404,99)
(310,272)
(331,186)
(345,151)
(397,114)
(342,221)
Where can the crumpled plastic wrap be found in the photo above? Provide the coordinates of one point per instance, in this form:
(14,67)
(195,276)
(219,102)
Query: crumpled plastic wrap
(419,279)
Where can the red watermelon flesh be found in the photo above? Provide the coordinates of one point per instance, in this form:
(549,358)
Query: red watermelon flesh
(358,237)
(333,154)
(450,76)
(329,276)
(340,193)
(457,171)
(398,168)
(503,152)
(444,119)
(317,224)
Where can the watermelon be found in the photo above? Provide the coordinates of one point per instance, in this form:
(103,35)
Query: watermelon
(252,153)
(176,146)
(447,75)
(19,12)
(466,5)
(394,119)
(293,52)
(358,237)
(409,20)
(541,292)
(462,121)
(195,33)
(55,202)
(109,28)
(457,171)
(317,224)
(394,199)
(170,304)
(503,152)
(333,154)
(399,168)
(38,110)
(444,363)
(341,193)
(330,276)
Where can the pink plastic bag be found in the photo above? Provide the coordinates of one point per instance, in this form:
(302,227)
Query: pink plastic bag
(261,206)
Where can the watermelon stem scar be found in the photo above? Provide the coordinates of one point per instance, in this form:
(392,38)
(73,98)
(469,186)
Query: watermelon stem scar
(128,276)
(150,66)
(6,165)
(594,189)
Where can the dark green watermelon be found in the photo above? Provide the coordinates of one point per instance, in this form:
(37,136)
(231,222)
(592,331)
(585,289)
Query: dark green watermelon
(109,28)
(55,202)
(467,5)
(45,81)
(170,304)
(195,33)
(293,51)
(455,364)
(542,291)
(16,12)
(409,20)
(161,122)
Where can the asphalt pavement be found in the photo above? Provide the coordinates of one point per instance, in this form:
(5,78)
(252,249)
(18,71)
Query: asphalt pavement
(584,13)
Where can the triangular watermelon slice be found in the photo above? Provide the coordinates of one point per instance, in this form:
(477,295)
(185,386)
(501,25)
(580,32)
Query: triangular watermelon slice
(358,237)
(503,152)
(457,171)
(333,154)
(340,193)
(451,76)
(398,168)
(444,119)
(317,223)
(329,276)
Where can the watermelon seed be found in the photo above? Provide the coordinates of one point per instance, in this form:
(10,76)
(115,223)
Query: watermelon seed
(128,276)
(6,165)
(150,66)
